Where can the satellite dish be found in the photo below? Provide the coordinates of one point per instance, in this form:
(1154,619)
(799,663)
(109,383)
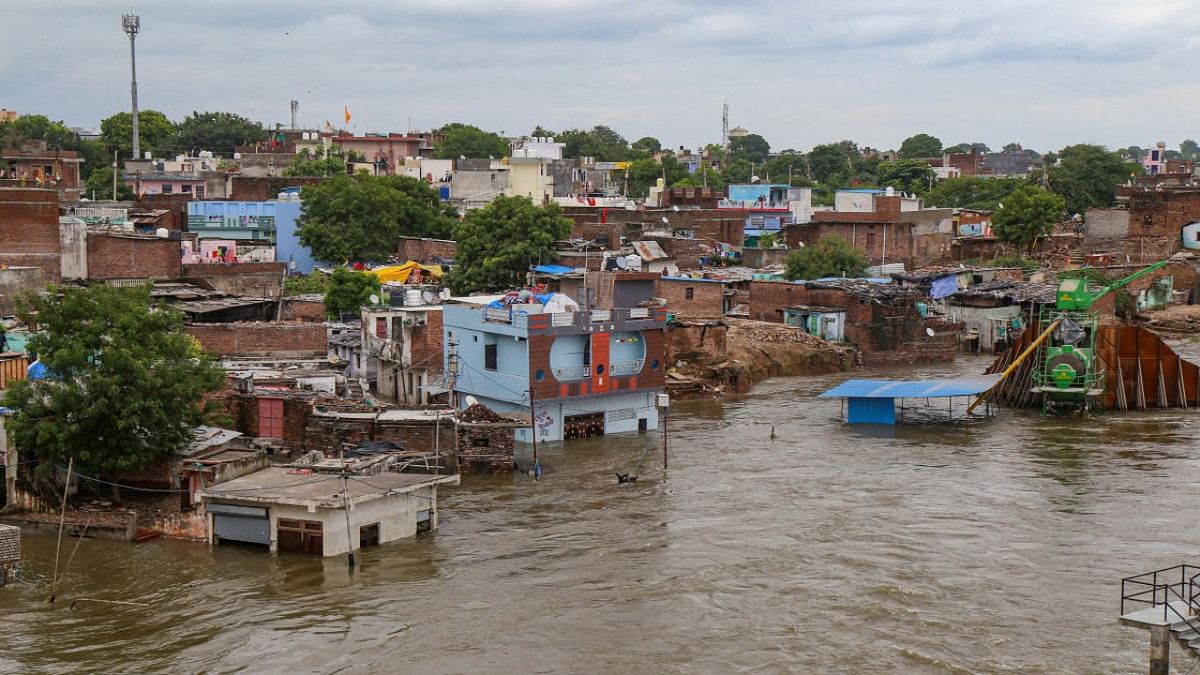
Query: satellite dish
(929,332)
(374,299)
(665,220)
(622,263)
(444,294)
(429,296)
(675,208)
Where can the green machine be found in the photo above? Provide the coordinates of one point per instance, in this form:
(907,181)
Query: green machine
(1068,375)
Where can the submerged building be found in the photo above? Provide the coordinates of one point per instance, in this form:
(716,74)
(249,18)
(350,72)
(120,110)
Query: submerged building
(588,372)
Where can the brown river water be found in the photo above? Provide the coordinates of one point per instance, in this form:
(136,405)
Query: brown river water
(994,546)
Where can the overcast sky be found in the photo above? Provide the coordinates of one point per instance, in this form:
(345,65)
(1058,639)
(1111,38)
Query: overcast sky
(1045,73)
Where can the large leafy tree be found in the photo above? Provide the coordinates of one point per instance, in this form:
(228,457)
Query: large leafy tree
(218,132)
(500,242)
(971,192)
(38,127)
(920,145)
(968,148)
(348,291)
(600,142)
(831,256)
(125,384)
(464,140)
(751,147)
(788,165)
(100,184)
(909,175)
(1189,149)
(155,131)
(361,218)
(1088,175)
(647,144)
(1025,215)
(831,161)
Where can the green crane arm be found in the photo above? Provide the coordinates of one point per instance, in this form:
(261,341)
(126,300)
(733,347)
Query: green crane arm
(1130,279)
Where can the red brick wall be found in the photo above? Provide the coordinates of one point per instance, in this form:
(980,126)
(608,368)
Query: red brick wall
(29,230)
(427,343)
(423,250)
(686,252)
(295,309)
(113,256)
(705,302)
(726,225)
(264,280)
(175,203)
(550,388)
(253,337)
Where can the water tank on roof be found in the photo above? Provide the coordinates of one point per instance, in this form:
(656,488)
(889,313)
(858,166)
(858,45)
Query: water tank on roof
(148,155)
(162,233)
(412,297)
(890,192)
(206,154)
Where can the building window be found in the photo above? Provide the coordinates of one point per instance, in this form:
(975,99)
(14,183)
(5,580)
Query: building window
(689,293)
(167,188)
(199,192)
(481,442)
(381,327)
(187,189)
(489,357)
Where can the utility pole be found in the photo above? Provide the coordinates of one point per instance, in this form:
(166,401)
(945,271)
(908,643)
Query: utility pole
(114,172)
(537,468)
(346,508)
(295,106)
(131,23)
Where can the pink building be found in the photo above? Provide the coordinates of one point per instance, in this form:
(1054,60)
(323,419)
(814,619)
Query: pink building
(166,184)
(1154,159)
(387,153)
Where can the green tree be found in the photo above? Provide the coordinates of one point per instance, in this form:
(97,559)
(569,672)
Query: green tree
(318,162)
(968,148)
(40,128)
(1025,215)
(1189,149)
(100,184)
(155,131)
(540,132)
(1088,175)
(126,383)
(751,147)
(217,132)
(348,291)
(317,282)
(831,256)
(921,145)
(361,218)
(647,144)
(787,165)
(908,175)
(601,142)
(705,176)
(738,171)
(972,192)
(464,140)
(830,160)
(94,157)
(500,242)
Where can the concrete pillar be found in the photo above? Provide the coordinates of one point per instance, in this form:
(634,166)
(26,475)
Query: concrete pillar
(1160,650)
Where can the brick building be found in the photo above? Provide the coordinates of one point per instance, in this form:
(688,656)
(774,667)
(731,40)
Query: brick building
(125,255)
(29,231)
(424,250)
(882,320)
(402,351)
(693,298)
(261,338)
(35,165)
(711,224)
(892,232)
(260,280)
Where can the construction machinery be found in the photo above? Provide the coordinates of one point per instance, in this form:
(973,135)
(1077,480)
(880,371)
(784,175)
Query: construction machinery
(1068,376)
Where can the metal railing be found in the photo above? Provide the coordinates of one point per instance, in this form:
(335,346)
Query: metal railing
(1162,587)
(572,372)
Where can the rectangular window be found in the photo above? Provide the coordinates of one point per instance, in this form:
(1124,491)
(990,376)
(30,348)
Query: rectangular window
(489,357)
(187,189)
(381,327)
(168,188)
(689,293)
(199,192)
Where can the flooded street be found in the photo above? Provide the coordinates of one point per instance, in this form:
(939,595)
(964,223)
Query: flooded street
(995,546)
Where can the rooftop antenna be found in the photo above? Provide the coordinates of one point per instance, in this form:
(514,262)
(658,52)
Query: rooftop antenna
(725,124)
(131,24)
(295,106)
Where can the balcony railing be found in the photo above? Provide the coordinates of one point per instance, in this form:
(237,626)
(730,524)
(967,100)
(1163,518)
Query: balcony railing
(572,373)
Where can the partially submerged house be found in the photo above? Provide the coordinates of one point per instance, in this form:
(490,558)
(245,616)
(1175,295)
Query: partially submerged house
(304,511)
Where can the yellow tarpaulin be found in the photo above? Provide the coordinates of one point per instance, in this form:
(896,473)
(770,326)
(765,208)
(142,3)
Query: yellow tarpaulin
(400,273)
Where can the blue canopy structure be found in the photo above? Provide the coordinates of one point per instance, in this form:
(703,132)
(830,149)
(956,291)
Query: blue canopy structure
(874,401)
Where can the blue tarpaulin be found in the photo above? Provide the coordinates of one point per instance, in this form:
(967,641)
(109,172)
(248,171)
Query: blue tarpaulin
(553,269)
(944,287)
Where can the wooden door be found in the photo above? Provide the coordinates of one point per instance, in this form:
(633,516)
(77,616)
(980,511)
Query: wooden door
(600,375)
(270,417)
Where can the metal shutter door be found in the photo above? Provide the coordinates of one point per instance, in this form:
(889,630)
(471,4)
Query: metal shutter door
(242,528)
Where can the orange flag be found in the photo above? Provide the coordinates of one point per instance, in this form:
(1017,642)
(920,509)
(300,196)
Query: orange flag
(347,114)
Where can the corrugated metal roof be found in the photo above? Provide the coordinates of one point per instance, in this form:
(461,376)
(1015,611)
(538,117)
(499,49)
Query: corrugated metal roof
(959,386)
(649,250)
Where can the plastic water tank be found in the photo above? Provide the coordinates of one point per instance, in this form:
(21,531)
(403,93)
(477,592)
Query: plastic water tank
(162,233)
(412,297)
(889,192)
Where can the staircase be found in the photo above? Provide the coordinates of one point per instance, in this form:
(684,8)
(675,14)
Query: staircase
(1165,602)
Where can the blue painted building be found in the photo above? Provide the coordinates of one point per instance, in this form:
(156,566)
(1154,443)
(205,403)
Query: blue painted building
(273,220)
(589,372)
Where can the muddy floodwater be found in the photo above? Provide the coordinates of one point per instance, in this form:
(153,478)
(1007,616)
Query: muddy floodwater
(987,547)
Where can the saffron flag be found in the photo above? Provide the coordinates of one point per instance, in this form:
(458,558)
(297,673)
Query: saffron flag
(347,114)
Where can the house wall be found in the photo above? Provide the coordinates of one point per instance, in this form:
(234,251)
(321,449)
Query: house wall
(706,301)
(424,250)
(303,309)
(29,230)
(112,256)
(15,281)
(979,320)
(260,188)
(260,280)
(253,337)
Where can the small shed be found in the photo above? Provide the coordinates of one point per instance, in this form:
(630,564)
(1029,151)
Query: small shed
(874,401)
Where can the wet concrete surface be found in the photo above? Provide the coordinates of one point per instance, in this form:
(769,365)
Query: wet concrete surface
(991,546)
